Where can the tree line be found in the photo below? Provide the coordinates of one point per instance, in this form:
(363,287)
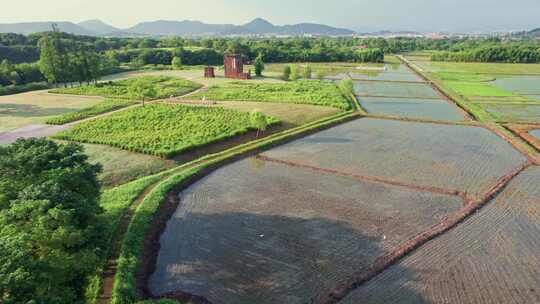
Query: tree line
(492,53)
(67,61)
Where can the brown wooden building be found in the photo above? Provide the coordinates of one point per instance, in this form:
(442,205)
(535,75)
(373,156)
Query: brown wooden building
(234,67)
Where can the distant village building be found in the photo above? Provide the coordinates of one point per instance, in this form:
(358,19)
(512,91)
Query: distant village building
(209,72)
(234,67)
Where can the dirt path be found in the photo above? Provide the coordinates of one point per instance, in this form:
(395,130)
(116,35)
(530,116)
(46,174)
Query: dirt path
(30,131)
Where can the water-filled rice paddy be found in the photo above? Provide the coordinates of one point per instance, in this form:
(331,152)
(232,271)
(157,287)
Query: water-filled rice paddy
(387,75)
(263,232)
(467,158)
(535,133)
(524,85)
(514,113)
(412,108)
(491,258)
(395,89)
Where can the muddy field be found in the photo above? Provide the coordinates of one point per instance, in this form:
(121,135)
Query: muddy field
(451,157)
(491,258)
(263,232)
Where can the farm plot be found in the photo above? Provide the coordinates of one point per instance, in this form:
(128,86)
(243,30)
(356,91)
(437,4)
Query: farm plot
(394,89)
(164,86)
(162,129)
(261,232)
(513,112)
(469,159)
(386,76)
(312,92)
(490,258)
(524,85)
(412,108)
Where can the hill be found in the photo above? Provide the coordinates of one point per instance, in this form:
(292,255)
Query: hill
(98,27)
(186,28)
(256,27)
(37,27)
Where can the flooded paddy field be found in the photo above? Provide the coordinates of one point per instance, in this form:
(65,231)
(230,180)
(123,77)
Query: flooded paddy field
(400,92)
(524,85)
(491,258)
(464,158)
(412,108)
(395,89)
(514,112)
(262,232)
(535,133)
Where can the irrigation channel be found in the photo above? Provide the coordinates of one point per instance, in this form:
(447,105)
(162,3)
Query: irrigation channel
(334,216)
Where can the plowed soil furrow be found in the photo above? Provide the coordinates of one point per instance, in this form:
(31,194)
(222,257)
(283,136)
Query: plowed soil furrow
(492,257)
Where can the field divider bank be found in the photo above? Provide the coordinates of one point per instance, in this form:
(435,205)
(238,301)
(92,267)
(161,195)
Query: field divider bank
(423,120)
(366,177)
(384,262)
(138,247)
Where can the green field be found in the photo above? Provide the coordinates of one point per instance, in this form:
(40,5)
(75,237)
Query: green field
(301,92)
(120,166)
(165,86)
(470,89)
(108,105)
(483,68)
(461,76)
(326,68)
(162,130)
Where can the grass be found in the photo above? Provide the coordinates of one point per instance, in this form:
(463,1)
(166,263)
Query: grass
(161,129)
(312,92)
(120,166)
(37,107)
(114,202)
(327,68)
(287,113)
(108,105)
(15,89)
(483,68)
(459,76)
(470,89)
(165,86)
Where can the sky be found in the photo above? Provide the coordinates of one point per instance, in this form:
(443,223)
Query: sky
(359,15)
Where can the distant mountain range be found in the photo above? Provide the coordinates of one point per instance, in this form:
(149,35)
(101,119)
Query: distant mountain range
(186,28)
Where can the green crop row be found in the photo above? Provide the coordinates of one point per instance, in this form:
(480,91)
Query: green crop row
(313,92)
(125,291)
(164,86)
(163,130)
(100,108)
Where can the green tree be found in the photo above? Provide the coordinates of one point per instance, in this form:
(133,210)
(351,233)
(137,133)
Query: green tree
(259,65)
(258,121)
(141,90)
(49,61)
(286,73)
(177,62)
(308,72)
(49,228)
(346,86)
(295,73)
